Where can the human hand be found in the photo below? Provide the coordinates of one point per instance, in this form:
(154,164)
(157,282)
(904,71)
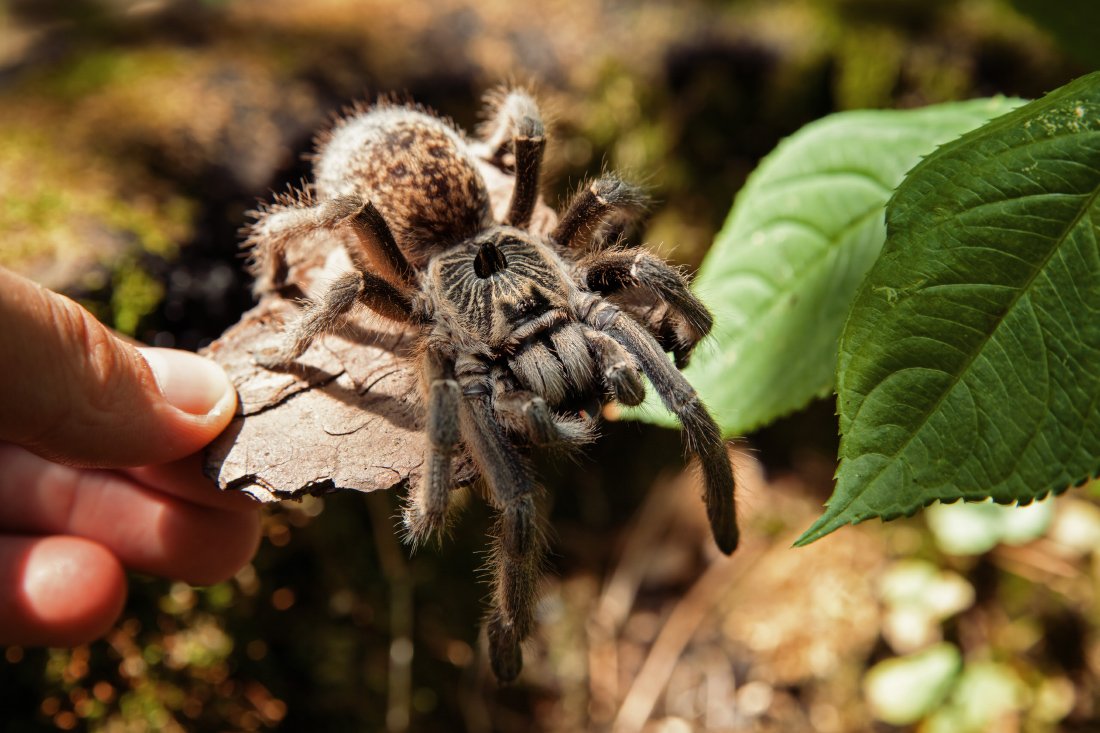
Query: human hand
(99,471)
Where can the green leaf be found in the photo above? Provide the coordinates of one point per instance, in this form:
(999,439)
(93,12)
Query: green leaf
(803,232)
(969,365)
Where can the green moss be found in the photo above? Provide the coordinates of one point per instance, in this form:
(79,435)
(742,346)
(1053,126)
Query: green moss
(158,229)
(94,71)
(134,294)
(70,211)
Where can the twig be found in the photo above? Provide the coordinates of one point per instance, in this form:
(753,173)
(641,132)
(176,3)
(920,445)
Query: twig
(673,638)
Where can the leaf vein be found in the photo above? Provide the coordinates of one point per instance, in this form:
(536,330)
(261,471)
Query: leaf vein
(956,378)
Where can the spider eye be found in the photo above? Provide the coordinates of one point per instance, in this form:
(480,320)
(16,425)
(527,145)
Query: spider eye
(489,259)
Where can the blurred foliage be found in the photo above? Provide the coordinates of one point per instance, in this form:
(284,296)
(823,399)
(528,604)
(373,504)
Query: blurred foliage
(1072,24)
(134,134)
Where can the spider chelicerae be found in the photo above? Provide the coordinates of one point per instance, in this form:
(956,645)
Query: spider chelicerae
(518,334)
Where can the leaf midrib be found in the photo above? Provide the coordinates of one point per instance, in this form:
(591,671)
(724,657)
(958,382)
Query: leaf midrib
(776,298)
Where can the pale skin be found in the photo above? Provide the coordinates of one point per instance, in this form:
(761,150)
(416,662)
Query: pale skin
(100,472)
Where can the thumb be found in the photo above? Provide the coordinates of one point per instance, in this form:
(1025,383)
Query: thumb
(73,392)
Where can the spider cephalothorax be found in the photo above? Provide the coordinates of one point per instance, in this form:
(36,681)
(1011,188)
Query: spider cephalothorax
(517,338)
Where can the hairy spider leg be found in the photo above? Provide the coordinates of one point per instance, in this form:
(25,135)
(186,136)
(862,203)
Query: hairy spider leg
(519,543)
(529,142)
(426,510)
(374,251)
(661,321)
(618,369)
(516,123)
(601,204)
(390,293)
(279,225)
(522,411)
(612,271)
(595,205)
(507,108)
(326,313)
(525,413)
(538,368)
(376,248)
(571,346)
(704,439)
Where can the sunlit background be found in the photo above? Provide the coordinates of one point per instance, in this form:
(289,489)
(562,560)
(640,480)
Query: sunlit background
(134,136)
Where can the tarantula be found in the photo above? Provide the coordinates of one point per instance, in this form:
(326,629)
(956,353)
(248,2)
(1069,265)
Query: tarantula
(516,337)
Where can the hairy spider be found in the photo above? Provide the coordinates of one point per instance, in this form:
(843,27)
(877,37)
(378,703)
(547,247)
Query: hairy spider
(516,337)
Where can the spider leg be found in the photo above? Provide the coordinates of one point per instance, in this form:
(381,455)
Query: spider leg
(374,248)
(529,143)
(517,122)
(702,434)
(669,330)
(571,346)
(612,271)
(519,543)
(536,367)
(276,227)
(525,413)
(618,368)
(597,204)
(324,314)
(389,293)
(426,510)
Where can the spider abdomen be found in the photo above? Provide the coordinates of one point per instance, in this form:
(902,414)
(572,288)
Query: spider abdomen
(416,170)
